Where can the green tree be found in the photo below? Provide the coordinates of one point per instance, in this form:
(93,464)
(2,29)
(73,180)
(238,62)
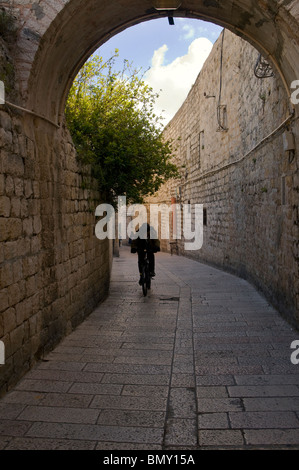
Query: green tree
(113,125)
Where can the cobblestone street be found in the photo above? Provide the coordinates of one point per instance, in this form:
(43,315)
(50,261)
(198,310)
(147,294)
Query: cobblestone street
(202,362)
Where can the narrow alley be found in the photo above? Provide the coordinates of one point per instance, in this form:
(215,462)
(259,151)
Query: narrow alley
(202,362)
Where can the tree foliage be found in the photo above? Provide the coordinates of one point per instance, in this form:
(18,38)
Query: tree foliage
(112,122)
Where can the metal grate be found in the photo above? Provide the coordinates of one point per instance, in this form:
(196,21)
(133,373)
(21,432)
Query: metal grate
(262,68)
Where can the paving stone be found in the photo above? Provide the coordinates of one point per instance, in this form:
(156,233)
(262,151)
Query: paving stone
(216,405)
(263,420)
(281,369)
(183,368)
(60,365)
(127,446)
(267,379)
(138,369)
(10,410)
(43,385)
(136,375)
(148,346)
(213,421)
(65,376)
(59,415)
(4,442)
(182,402)
(97,432)
(13,428)
(180,432)
(166,360)
(133,418)
(25,398)
(219,438)
(23,443)
(129,403)
(145,390)
(269,404)
(232,369)
(96,389)
(136,379)
(66,400)
(182,380)
(264,391)
(211,392)
(210,380)
(272,437)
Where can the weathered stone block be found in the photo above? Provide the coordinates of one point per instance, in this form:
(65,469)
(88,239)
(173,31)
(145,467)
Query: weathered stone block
(30,149)
(10,229)
(5,138)
(9,320)
(23,311)
(36,190)
(37,224)
(15,207)
(17,337)
(30,266)
(35,245)
(3,299)
(28,191)
(16,293)
(5,121)
(27,227)
(17,270)
(19,187)
(11,249)
(12,164)
(2,184)
(22,150)
(4,206)
(24,208)
(9,186)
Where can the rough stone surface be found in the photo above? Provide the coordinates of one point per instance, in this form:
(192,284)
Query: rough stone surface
(53,269)
(119,381)
(248,186)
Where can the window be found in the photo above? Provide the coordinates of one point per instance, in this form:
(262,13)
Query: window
(201,144)
(222,118)
(205,217)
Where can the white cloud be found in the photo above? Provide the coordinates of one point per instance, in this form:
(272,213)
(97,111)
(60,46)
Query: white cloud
(173,81)
(158,57)
(188,32)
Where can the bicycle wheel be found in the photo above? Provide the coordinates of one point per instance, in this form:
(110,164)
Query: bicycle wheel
(143,281)
(148,277)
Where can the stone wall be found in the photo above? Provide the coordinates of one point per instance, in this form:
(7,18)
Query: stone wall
(53,270)
(247,184)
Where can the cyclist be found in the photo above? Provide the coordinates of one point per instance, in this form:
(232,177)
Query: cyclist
(152,245)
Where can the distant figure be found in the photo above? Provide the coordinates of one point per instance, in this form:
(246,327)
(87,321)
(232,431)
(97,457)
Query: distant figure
(152,245)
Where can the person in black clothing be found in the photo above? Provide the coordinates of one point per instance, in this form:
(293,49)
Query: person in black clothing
(152,245)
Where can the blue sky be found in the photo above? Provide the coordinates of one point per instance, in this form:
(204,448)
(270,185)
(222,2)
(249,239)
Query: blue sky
(174,55)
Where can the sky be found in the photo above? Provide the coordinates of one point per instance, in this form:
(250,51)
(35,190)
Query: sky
(170,55)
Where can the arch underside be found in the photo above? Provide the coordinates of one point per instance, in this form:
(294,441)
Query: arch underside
(77,31)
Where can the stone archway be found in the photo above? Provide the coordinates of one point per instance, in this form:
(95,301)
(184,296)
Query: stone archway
(57,37)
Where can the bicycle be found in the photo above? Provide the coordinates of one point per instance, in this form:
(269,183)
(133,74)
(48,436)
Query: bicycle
(145,274)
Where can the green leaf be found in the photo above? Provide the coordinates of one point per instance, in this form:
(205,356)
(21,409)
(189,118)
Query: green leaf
(113,126)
